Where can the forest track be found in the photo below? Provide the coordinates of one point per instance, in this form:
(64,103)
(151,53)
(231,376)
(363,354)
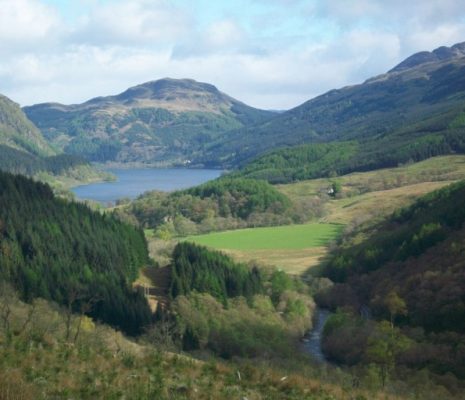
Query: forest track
(155,283)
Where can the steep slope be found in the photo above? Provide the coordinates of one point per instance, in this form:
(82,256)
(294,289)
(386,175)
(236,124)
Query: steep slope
(164,120)
(99,363)
(18,132)
(65,252)
(413,111)
(23,149)
(409,269)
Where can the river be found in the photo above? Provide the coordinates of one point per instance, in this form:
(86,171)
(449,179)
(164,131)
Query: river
(131,182)
(312,340)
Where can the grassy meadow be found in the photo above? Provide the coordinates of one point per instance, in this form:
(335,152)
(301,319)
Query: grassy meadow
(378,193)
(292,247)
(295,237)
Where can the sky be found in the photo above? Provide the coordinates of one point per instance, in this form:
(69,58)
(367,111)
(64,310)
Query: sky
(271,54)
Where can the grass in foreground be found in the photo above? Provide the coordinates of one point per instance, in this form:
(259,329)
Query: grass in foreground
(37,362)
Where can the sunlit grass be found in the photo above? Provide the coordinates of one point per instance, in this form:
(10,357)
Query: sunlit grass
(273,238)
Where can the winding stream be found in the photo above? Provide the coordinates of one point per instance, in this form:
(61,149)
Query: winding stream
(312,340)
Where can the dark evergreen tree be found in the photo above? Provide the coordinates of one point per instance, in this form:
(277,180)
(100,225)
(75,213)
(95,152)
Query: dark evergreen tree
(51,248)
(203,270)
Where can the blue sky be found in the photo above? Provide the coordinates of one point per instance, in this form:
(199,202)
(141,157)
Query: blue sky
(268,53)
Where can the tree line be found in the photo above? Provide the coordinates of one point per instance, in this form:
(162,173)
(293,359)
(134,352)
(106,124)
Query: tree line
(319,160)
(19,162)
(196,268)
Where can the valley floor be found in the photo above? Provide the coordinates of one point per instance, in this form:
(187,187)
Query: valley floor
(365,196)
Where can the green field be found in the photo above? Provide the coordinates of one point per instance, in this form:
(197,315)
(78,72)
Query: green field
(280,237)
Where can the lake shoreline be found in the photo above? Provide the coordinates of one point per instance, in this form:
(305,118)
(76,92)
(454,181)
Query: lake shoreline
(156,165)
(132,182)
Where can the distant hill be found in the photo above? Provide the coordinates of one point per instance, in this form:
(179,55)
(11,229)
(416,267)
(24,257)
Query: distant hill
(442,53)
(167,120)
(414,111)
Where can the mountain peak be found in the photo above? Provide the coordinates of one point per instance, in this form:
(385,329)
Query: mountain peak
(165,119)
(168,89)
(442,53)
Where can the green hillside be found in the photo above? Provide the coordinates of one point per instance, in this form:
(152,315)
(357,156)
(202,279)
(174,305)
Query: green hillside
(23,150)
(407,270)
(304,162)
(38,363)
(224,203)
(409,113)
(64,252)
(164,121)
(18,132)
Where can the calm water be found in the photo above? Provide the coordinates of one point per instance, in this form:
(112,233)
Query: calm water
(133,182)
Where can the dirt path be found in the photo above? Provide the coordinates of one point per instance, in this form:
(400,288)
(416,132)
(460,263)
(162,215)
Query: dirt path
(155,282)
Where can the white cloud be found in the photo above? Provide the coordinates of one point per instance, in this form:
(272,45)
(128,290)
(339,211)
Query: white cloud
(299,50)
(223,33)
(429,38)
(220,37)
(26,24)
(392,12)
(135,23)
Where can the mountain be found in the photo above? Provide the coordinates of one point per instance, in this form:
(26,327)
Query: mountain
(414,111)
(23,150)
(17,132)
(442,53)
(167,120)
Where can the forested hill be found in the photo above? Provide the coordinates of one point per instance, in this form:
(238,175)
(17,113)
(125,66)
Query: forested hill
(410,270)
(65,252)
(18,132)
(414,111)
(19,162)
(168,120)
(221,204)
(23,149)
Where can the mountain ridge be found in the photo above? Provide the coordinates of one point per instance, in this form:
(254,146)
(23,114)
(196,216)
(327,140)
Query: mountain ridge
(24,150)
(164,119)
(152,90)
(442,53)
(400,108)
(185,122)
